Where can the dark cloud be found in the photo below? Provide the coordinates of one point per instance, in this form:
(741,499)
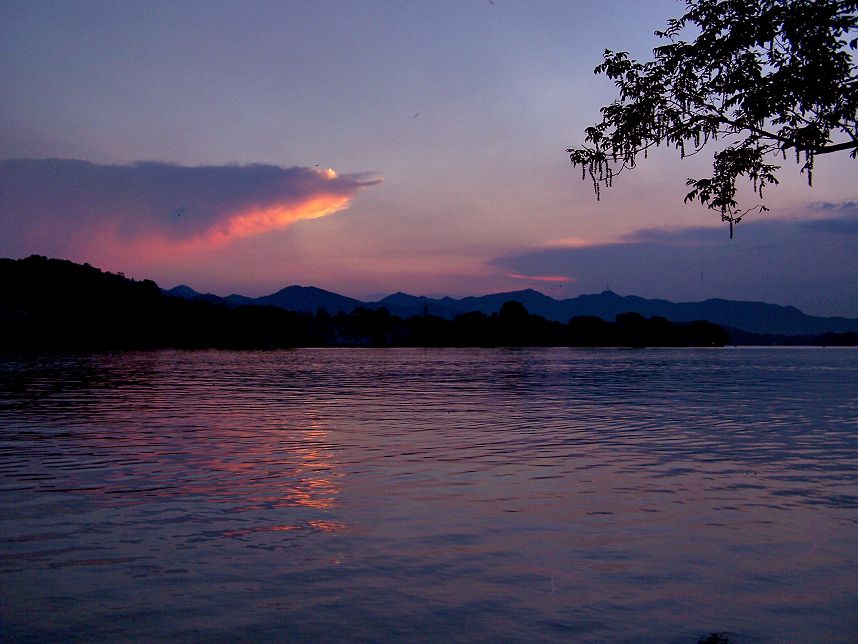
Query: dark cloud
(690,236)
(809,263)
(848,206)
(48,204)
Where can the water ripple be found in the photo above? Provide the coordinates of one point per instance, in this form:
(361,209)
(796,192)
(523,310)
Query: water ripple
(430,494)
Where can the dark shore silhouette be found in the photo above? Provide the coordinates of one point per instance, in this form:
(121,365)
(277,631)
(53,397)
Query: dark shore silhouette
(52,304)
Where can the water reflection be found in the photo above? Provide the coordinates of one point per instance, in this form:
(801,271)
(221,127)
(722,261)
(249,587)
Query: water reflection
(538,494)
(143,426)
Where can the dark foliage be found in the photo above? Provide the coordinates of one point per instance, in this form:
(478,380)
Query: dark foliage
(50,304)
(56,304)
(714,638)
(846,339)
(768,78)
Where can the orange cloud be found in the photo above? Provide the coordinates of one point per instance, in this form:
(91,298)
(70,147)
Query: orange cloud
(106,247)
(255,221)
(569,242)
(561,279)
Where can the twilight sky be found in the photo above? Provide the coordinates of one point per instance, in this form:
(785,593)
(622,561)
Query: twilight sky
(373,147)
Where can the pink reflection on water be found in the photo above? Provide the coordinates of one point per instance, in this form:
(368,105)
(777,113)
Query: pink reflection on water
(327,526)
(265,528)
(510,491)
(222,450)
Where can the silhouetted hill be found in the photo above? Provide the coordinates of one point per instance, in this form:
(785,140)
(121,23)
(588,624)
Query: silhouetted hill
(754,317)
(187,293)
(50,304)
(308,299)
(238,300)
(301,299)
(406,306)
(184,291)
(534,301)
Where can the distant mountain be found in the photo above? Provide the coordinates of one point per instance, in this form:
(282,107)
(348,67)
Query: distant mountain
(406,306)
(237,300)
(754,317)
(302,299)
(308,299)
(533,301)
(49,304)
(187,293)
(183,291)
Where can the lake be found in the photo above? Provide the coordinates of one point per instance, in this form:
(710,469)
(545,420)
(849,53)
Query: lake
(425,495)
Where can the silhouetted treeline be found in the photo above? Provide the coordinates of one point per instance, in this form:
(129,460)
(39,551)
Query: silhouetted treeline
(740,337)
(57,304)
(49,304)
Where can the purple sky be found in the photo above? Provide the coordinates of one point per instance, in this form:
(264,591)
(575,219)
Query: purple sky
(190,143)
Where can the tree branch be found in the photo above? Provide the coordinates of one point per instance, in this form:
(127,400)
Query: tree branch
(852,145)
(769,76)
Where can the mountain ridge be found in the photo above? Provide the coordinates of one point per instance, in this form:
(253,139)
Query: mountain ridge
(750,316)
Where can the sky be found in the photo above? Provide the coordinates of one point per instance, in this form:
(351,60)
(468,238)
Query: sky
(374,147)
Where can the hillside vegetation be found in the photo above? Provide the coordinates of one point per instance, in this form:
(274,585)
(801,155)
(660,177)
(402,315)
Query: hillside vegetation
(52,304)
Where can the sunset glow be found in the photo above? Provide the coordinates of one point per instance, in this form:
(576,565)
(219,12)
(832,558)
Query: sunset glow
(202,182)
(555,279)
(455,389)
(262,220)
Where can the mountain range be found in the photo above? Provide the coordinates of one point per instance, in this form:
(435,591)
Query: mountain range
(753,317)
(55,304)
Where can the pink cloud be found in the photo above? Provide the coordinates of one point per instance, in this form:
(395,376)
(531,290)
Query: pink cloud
(553,279)
(144,210)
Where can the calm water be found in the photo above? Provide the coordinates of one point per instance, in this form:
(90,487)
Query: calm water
(430,494)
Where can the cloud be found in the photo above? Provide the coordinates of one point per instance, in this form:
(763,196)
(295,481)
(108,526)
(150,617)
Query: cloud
(846,206)
(68,207)
(809,263)
(687,236)
(549,279)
